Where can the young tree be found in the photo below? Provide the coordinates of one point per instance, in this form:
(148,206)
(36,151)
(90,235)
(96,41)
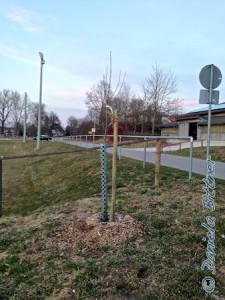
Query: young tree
(103,94)
(157,89)
(122,102)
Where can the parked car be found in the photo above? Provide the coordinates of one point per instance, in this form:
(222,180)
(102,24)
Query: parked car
(43,137)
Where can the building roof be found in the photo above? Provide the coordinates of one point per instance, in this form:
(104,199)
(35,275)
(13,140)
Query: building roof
(169,125)
(195,114)
(220,120)
(213,108)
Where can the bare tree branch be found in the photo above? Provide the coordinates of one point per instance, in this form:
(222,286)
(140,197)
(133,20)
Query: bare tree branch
(157,88)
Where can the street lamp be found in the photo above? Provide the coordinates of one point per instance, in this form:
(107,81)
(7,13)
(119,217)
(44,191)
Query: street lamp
(40,98)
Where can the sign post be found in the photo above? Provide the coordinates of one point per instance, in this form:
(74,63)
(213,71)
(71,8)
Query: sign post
(210,78)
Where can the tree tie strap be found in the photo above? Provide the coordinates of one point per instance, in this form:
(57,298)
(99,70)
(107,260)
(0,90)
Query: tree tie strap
(114,119)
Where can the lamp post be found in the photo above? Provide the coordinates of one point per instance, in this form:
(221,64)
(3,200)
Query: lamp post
(40,99)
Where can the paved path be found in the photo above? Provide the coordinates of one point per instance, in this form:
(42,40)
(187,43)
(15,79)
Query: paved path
(173,161)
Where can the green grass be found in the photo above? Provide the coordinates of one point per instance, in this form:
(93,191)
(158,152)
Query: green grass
(217,153)
(41,257)
(31,183)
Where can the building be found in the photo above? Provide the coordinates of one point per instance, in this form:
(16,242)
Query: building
(169,126)
(195,124)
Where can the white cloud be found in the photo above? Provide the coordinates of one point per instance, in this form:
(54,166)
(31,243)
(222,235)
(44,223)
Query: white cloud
(29,20)
(20,55)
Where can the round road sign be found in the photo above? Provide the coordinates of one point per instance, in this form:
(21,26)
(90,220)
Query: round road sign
(205,76)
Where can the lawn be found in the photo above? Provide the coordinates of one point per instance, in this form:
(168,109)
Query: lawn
(217,153)
(50,247)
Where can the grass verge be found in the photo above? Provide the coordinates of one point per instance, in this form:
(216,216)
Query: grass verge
(217,153)
(47,252)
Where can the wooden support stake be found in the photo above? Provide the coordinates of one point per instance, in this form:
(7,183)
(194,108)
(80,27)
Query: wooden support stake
(157,163)
(114,165)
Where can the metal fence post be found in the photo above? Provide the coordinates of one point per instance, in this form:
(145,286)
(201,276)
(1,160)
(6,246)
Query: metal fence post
(191,158)
(157,163)
(144,160)
(119,153)
(104,215)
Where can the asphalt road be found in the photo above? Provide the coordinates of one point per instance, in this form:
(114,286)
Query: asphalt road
(177,162)
(173,161)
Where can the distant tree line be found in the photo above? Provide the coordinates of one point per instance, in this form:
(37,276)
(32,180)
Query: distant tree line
(12,108)
(142,113)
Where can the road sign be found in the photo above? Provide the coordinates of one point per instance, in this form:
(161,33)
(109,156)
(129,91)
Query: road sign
(205,95)
(205,77)
(210,77)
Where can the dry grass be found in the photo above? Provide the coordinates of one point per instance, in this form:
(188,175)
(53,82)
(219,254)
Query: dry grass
(153,251)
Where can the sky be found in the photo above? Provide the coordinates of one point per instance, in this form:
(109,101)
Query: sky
(76,37)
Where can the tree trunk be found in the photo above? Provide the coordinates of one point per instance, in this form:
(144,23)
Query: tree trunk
(153,125)
(135,127)
(2,127)
(142,126)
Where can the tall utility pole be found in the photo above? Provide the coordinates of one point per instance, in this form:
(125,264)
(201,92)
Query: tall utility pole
(25,119)
(40,100)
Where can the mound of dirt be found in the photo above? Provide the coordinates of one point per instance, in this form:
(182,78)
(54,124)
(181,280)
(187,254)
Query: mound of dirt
(92,233)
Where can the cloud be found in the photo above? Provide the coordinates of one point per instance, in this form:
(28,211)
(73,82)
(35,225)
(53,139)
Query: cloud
(20,55)
(66,104)
(70,94)
(24,55)
(70,100)
(29,20)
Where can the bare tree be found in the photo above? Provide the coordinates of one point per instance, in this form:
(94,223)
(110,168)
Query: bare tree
(33,108)
(54,121)
(157,88)
(6,102)
(96,96)
(135,116)
(17,111)
(84,125)
(72,122)
(173,107)
(103,94)
(122,102)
